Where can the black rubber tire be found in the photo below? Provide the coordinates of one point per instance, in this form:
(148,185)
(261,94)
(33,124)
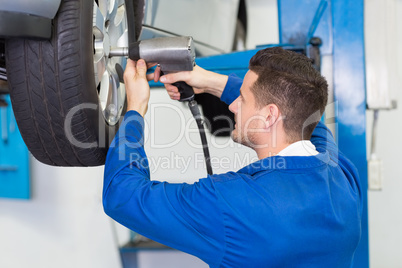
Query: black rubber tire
(50,78)
(241,27)
(219,119)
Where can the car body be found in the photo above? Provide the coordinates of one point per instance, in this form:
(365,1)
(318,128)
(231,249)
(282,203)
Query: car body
(24,18)
(40,8)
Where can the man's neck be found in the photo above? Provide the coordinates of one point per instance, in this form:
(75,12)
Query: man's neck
(272,141)
(270,150)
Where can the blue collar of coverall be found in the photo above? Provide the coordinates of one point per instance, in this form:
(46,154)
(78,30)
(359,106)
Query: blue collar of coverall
(277,163)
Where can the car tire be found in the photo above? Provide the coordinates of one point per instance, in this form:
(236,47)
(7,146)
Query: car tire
(240,36)
(239,40)
(54,93)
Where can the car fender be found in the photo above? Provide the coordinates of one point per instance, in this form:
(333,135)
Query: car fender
(27,18)
(40,8)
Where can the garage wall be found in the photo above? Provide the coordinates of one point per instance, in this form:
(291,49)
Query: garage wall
(383,41)
(63,225)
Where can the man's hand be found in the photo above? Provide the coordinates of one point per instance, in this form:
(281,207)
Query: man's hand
(137,87)
(201,80)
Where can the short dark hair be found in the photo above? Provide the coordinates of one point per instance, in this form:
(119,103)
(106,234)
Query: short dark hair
(290,81)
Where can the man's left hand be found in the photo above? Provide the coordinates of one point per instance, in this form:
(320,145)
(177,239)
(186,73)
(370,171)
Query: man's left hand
(137,87)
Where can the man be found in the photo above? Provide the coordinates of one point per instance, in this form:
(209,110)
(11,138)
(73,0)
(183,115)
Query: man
(303,212)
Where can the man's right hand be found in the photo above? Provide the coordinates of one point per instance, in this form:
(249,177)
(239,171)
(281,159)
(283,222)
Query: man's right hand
(201,80)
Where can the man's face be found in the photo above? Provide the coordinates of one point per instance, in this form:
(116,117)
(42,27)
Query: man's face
(249,121)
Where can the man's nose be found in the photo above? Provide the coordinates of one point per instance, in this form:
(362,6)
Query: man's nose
(233,107)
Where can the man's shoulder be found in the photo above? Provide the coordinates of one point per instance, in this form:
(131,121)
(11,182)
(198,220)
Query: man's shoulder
(269,167)
(226,177)
(239,177)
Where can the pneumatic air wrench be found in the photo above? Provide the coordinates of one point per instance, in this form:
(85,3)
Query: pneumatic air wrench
(173,54)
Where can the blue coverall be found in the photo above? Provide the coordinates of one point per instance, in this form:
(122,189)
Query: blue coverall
(292,211)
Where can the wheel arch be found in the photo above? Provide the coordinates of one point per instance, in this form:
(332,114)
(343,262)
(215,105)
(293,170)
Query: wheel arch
(29,19)
(242,13)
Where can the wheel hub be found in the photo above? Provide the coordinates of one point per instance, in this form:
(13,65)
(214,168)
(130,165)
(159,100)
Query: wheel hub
(106,45)
(110,30)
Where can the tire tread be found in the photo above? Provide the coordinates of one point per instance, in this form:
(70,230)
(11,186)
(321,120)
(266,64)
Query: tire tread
(47,80)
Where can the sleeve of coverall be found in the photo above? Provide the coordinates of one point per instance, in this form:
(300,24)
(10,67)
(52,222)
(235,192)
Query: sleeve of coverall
(323,140)
(232,89)
(183,216)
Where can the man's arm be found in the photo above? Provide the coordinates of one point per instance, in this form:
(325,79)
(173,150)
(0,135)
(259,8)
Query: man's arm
(185,217)
(227,88)
(323,139)
(201,80)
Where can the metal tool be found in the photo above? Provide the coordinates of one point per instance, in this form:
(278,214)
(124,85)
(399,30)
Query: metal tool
(173,54)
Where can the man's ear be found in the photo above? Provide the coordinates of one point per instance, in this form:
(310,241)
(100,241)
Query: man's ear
(271,114)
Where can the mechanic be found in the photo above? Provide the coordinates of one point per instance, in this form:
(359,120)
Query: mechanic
(304,212)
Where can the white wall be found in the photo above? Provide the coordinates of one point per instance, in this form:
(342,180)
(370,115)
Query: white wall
(262,26)
(385,207)
(63,225)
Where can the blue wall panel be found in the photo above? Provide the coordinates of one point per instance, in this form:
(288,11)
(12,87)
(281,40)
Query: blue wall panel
(350,93)
(342,30)
(14,160)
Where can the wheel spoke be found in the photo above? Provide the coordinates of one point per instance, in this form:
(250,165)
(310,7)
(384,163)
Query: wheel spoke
(112,105)
(99,69)
(122,41)
(98,21)
(120,16)
(104,7)
(104,90)
(118,12)
(118,34)
(112,8)
(110,30)
(120,2)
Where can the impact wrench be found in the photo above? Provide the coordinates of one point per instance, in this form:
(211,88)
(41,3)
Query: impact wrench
(173,54)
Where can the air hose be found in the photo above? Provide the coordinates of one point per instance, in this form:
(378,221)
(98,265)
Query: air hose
(194,108)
